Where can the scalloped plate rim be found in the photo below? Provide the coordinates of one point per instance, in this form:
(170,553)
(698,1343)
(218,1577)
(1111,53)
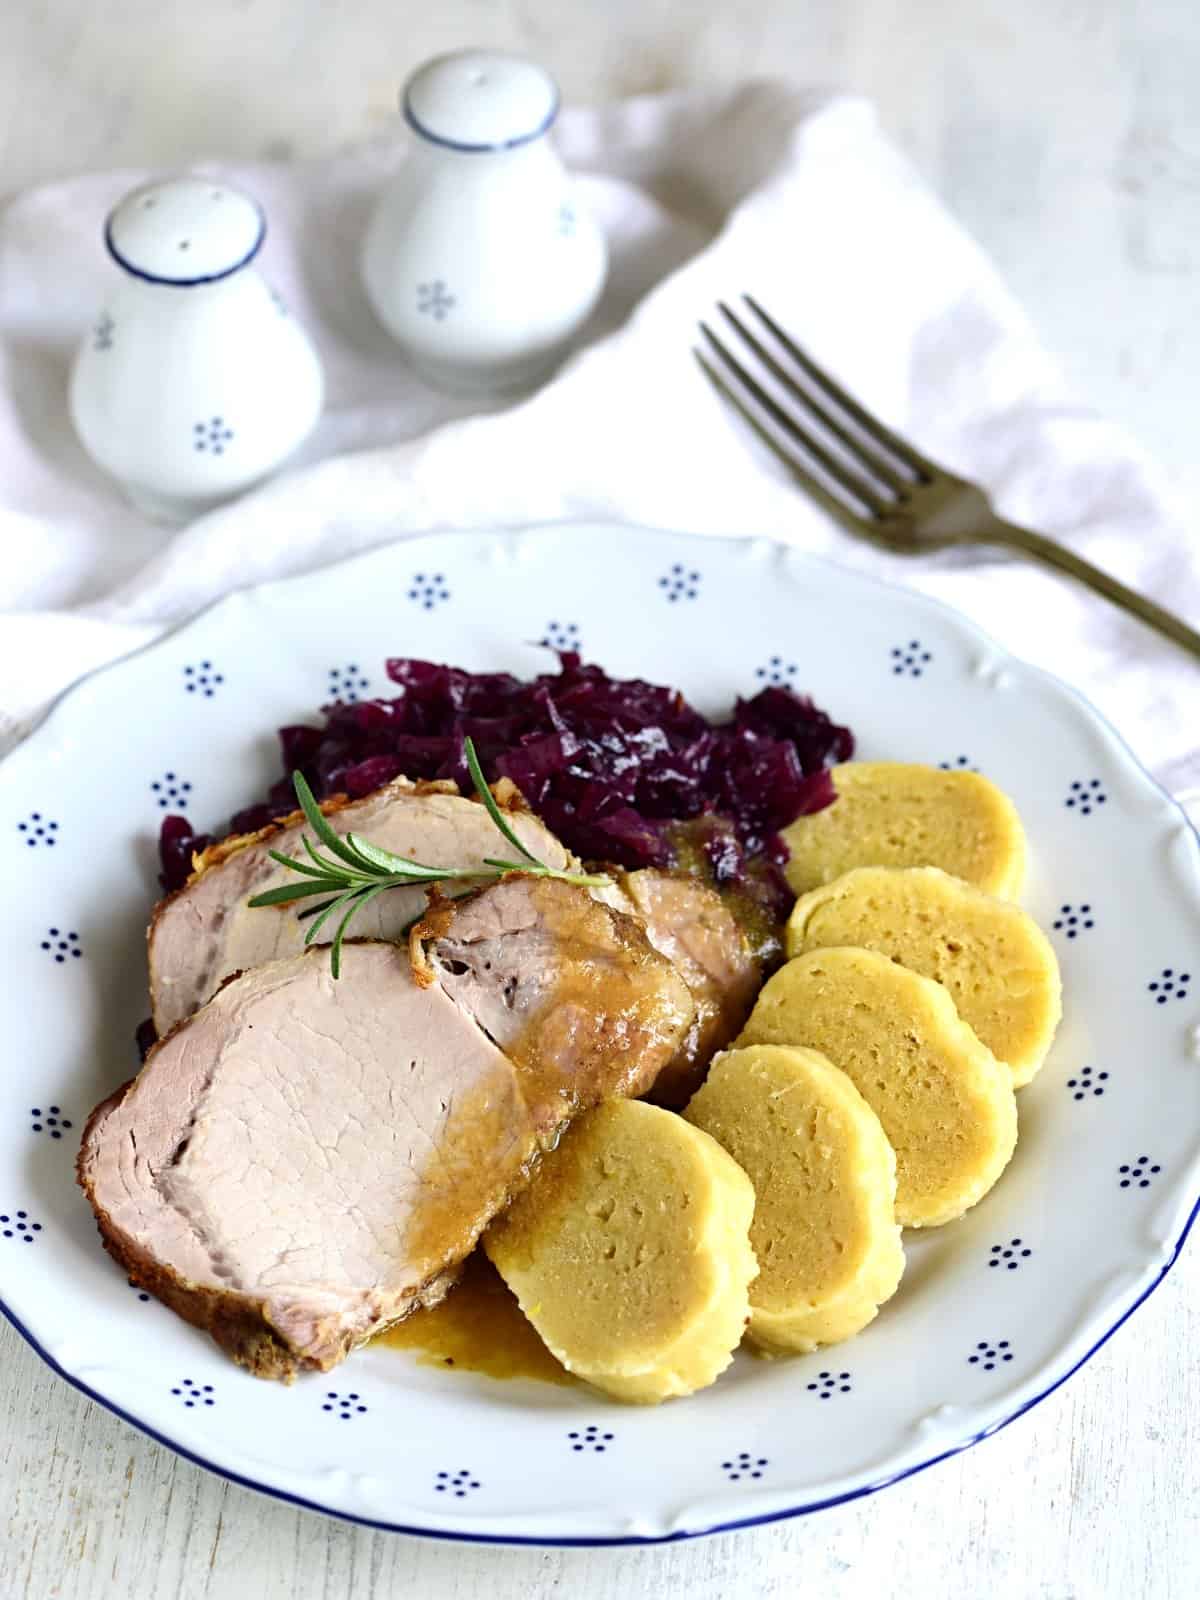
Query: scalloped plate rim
(45,729)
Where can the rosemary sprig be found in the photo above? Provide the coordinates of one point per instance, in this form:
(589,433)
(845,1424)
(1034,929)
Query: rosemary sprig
(360,870)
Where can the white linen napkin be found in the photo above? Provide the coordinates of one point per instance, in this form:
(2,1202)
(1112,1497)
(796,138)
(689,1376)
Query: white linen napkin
(799,199)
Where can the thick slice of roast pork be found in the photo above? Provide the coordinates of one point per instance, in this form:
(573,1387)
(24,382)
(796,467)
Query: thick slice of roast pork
(691,925)
(302,1161)
(205,931)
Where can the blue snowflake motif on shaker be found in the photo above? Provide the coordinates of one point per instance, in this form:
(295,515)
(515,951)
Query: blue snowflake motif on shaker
(591,1438)
(910,659)
(212,436)
(1137,1174)
(1085,795)
(680,583)
(561,636)
(171,791)
(18,1225)
(777,673)
(102,333)
(828,1384)
(202,679)
(63,946)
(434,300)
(1009,1255)
(278,301)
(1169,985)
(343,1406)
(1073,920)
(429,590)
(194,1394)
(347,683)
(989,1356)
(1087,1081)
(38,829)
(959,764)
(744,1465)
(459,1484)
(566,220)
(50,1121)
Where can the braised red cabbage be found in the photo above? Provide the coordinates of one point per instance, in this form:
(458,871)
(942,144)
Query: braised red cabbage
(612,766)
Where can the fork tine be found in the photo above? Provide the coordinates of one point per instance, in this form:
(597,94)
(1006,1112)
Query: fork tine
(871,425)
(863,455)
(835,507)
(845,477)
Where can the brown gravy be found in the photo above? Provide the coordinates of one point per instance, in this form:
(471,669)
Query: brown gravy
(477,1328)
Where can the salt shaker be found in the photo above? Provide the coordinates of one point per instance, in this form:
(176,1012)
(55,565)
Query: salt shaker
(195,381)
(480,258)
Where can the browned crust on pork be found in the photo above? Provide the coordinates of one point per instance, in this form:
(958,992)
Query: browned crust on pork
(233,1321)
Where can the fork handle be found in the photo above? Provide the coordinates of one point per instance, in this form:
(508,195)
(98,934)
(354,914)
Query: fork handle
(1065,560)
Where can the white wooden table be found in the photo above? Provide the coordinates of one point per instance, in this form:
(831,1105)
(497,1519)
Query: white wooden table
(1067,134)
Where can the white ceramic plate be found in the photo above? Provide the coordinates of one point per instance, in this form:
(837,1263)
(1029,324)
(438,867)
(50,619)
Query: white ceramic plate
(994,1311)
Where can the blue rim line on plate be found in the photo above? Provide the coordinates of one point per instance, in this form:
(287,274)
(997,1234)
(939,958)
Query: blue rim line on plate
(568,1542)
(545,1543)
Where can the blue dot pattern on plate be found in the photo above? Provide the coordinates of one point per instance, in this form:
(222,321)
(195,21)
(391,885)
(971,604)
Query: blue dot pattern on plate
(202,679)
(1073,920)
(1137,1174)
(139,1291)
(1085,795)
(959,764)
(434,300)
(39,829)
(344,1406)
(561,636)
(1087,1081)
(429,589)
(459,1483)
(1009,1255)
(194,1394)
(49,1120)
(910,659)
(590,1439)
(171,790)
(989,1356)
(347,683)
(212,436)
(18,1225)
(777,673)
(62,945)
(680,583)
(1169,985)
(743,1465)
(830,1383)
(102,333)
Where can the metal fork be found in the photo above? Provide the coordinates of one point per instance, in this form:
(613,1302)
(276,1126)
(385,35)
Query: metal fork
(873,482)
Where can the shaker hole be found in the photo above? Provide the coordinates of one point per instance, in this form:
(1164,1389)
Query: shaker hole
(479,79)
(148,202)
(185,244)
(218,194)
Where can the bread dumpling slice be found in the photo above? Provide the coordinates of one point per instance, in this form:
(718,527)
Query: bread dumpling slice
(824,1232)
(890,814)
(996,962)
(630,1252)
(945,1102)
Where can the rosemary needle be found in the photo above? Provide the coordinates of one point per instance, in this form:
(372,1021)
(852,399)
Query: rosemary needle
(355,871)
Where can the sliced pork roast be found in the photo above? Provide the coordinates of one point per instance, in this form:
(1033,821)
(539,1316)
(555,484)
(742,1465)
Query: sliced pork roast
(303,1161)
(692,926)
(205,931)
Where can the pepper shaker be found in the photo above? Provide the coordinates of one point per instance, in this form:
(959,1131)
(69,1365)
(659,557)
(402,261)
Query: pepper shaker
(195,381)
(480,258)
